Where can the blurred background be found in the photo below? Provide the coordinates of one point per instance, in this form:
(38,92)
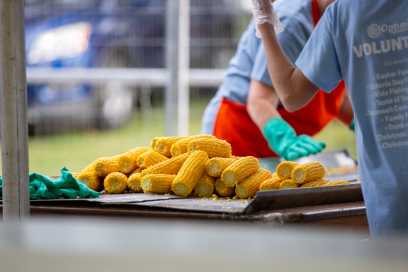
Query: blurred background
(72,121)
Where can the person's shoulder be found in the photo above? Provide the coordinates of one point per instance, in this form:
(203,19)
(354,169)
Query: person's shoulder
(294,14)
(291,8)
(345,6)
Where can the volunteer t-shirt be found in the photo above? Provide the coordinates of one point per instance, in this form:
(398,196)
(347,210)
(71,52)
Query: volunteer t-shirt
(366,44)
(249,62)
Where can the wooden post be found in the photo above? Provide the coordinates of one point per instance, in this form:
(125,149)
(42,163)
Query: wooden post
(13,104)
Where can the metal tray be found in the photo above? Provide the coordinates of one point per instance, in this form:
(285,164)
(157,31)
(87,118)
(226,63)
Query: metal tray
(291,198)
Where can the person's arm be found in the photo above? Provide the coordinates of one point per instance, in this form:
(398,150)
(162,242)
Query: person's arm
(280,136)
(292,87)
(262,103)
(346,111)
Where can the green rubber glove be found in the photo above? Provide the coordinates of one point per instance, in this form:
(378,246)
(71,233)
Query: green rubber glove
(283,140)
(352,125)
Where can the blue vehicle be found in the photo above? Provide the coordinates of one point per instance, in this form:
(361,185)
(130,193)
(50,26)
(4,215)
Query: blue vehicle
(107,33)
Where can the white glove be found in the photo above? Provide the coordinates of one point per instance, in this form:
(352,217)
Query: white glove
(264,14)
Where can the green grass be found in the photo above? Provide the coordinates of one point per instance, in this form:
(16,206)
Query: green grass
(75,150)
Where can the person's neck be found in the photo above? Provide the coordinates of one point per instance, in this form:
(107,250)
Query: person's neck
(323,4)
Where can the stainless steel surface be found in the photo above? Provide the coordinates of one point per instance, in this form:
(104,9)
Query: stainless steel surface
(226,206)
(177,62)
(84,245)
(14,135)
(304,197)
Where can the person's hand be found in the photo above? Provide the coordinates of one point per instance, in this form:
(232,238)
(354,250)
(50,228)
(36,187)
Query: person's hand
(282,139)
(262,11)
(352,125)
(303,146)
(264,14)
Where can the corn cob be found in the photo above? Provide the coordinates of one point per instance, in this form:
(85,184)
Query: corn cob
(157,183)
(150,158)
(163,145)
(308,172)
(181,146)
(250,186)
(337,183)
(154,142)
(136,152)
(126,162)
(213,146)
(115,183)
(272,183)
(91,179)
(288,184)
(137,170)
(189,174)
(284,169)
(205,186)
(215,166)
(239,170)
(315,183)
(133,182)
(223,190)
(169,167)
(104,166)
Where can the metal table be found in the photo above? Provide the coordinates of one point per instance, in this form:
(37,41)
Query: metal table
(332,207)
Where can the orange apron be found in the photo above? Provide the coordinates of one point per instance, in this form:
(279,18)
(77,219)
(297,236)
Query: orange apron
(234,124)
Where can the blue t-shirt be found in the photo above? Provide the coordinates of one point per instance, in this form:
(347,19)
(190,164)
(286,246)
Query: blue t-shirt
(249,62)
(366,44)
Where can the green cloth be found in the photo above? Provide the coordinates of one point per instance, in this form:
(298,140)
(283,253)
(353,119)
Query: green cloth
(66,186)
(283,140)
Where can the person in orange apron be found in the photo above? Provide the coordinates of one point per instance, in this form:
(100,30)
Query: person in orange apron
(246,111)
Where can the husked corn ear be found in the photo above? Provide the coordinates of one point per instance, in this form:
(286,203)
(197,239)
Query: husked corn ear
(115,183)
(137,170)
(154,142)
(213,146)
(215,166)
(315,183)
(91,179)
(150,158)
(133,182)
(284,169)
(288,184)
(120,163)
(337,183)
(105,165)
(136,152)
(181,146)
(169,167)
(189,174)
(250,186)
(272,183)
(304,173)
(125,162)
(223,190)
(205,186)
(239,170)
(163,145)
(157,183)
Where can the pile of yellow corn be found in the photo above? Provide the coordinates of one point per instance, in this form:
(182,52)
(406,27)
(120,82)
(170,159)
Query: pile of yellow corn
(201,166)
(293,175)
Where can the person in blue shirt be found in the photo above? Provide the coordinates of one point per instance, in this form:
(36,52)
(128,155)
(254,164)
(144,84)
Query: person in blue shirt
(246,111)
(364,43)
